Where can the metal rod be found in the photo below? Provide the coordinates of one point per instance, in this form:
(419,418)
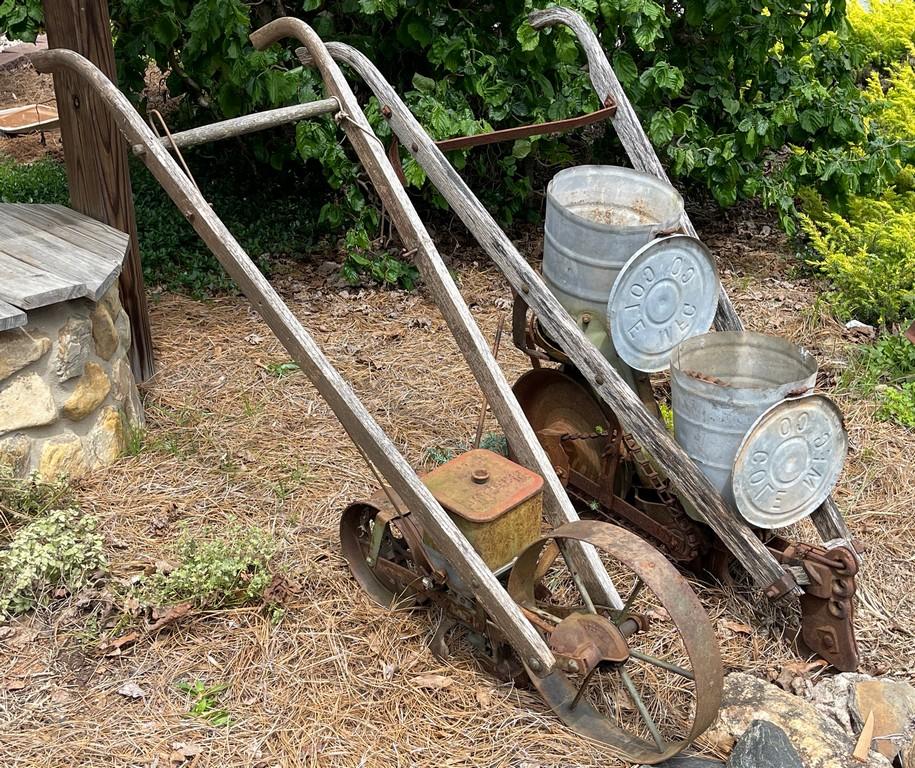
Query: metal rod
(643,710)
(239,126)
(662,664)
(495,354)
(636,588)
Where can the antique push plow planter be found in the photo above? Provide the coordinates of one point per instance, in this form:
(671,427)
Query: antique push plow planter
(626,289)
(641,674)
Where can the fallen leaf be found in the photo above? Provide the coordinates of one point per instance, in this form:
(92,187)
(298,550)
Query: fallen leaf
(432,681)
(281,589)
(170,616)
(388,670)
(183,753)
(484,699)
(131,690)
(738,627)
(658,614)
(60,696)
(6,632)
(117,646)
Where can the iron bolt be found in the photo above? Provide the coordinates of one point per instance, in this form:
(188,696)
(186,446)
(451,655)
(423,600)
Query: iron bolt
(535,665)
(414,147)
(585,318)
(370,560)
(386,111)
(479,476)
(573,665)
(599,380)
(427,582)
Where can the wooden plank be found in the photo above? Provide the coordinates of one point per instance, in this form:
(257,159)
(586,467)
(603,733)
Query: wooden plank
(29,287)
(353,415)
(40,244)
(650,433)
(95,154)
(595,583)
(107,238)
(827,518)
(11,317)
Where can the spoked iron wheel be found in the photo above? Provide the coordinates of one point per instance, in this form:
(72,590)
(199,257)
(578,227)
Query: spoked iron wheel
(381,550)
(645,680)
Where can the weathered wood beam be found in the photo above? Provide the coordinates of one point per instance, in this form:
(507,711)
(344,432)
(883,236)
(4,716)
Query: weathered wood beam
(239,126)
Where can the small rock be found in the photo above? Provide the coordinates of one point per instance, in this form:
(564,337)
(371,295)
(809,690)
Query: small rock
(104,332)
(819,740)
(122,326)
(132,691)
(327,268)
(105,442)
(91,391)
(893,705)
(14,453)
(764,745)
(19,348)
(62,455)
(26,402)
(73,347)
(688,762)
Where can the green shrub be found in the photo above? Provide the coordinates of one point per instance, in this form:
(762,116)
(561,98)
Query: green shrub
(886,31)
(722,85)
(868,254)
(219,567)
(61,548)
(23,499)
(897,404)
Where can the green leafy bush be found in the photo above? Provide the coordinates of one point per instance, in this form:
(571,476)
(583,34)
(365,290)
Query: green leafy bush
(218,567)
(61,548)
(868,253)
(724,87)
(897,404)
(885,32)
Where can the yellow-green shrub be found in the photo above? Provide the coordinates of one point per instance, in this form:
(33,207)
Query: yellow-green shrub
(886,32)
(869,256)
(894,98)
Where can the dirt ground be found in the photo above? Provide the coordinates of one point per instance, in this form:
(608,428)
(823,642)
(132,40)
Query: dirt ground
(228,439)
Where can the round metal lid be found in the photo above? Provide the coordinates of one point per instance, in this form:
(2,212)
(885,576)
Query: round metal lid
(789,461)
(665,293)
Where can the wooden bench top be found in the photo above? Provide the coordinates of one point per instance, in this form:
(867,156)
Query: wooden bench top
(48,254)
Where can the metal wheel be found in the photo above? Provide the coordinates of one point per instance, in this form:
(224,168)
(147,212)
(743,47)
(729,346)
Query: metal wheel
(580,437)
(381,551)
(644,680)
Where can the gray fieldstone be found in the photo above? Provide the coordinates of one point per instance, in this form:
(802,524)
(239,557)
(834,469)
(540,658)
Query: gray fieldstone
(19,348)
(14,453)
(73,347)
(104,332)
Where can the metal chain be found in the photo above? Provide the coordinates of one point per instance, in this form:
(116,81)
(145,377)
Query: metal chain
(647,471)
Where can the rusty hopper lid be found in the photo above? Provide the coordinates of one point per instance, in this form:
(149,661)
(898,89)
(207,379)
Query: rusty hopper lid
(480,485)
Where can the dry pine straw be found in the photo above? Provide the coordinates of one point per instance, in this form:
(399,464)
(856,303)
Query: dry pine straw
(227,438)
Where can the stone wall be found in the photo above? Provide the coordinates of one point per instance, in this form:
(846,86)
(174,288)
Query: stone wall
(68,399)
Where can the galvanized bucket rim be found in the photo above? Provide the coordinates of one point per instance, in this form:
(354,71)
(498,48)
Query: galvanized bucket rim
(609,170)
(795,387)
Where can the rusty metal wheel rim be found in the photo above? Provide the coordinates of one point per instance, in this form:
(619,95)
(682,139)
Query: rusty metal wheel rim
(695,631)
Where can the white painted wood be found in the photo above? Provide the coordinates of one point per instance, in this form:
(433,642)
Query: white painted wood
(353,415)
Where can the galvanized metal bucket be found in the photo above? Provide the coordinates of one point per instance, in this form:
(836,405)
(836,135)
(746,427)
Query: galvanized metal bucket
(597,216)
(721,383)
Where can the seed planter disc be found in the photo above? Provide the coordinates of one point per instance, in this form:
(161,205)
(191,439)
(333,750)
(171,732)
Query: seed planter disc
(789,461)
(665,293)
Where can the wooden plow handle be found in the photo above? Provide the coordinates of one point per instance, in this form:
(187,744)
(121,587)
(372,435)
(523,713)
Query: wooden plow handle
(605,380)
(353,415)
(828,519)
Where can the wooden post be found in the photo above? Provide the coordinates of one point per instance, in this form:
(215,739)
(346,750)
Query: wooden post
(96,154)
